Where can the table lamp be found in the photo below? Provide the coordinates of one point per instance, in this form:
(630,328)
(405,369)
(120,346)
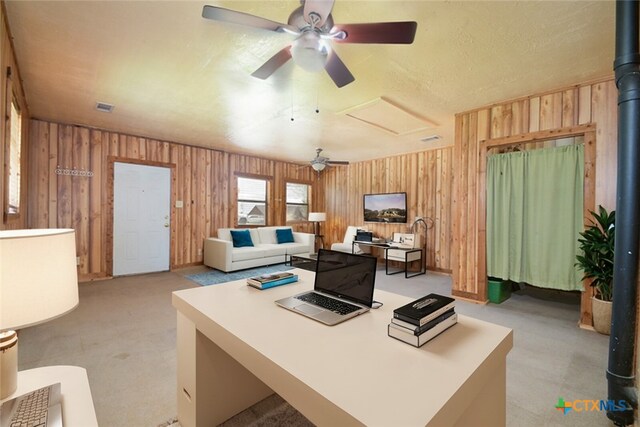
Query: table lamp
(317,218)
(38,282)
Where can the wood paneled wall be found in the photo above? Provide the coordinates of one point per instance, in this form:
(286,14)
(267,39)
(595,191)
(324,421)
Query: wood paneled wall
(7,60)
(589,104)
(425,176)
(203,179)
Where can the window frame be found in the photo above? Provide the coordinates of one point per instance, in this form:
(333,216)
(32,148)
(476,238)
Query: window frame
(267,181)
(286,202)
(11,144)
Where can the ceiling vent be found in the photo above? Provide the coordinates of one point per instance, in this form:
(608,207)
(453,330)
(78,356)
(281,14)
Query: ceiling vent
(104,107)
(430,138)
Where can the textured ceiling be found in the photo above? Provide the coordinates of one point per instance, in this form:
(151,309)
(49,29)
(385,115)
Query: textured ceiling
(175,76)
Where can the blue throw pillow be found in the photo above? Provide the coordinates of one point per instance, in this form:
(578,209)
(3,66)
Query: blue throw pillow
(241,238)
(284,235)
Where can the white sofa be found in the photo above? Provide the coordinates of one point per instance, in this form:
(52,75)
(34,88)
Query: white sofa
(220,254)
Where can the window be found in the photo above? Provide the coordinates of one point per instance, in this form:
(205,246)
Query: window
(297,201)
(14,138)
(252,201)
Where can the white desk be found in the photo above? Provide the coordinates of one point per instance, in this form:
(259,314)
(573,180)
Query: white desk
(236,347)
(77,404)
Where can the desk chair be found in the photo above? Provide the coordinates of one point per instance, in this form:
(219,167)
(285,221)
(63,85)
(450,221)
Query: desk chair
(349,236)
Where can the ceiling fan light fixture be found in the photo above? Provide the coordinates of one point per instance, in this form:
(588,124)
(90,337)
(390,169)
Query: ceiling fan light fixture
(318,167)
(310,52)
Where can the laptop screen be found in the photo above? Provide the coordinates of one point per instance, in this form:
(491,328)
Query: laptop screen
(347,276)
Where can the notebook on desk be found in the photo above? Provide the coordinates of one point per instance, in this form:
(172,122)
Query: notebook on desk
(41,407)
(342,289)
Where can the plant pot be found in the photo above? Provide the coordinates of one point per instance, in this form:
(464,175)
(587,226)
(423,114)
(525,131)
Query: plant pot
(601,315)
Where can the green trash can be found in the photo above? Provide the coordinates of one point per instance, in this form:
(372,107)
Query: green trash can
(499,290)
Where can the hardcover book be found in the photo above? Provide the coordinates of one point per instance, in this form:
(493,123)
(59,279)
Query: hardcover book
(270,277)
(424,309)
(290,278)
(397,332)
(417,330)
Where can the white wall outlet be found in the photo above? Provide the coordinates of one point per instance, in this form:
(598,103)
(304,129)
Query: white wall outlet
(179,203)
(199,252)
(77,260)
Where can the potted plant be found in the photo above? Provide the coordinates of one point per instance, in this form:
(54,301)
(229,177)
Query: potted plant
(596,261)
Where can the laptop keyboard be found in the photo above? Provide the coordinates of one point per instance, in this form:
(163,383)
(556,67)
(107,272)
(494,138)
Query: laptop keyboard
(328,303)
(32,409)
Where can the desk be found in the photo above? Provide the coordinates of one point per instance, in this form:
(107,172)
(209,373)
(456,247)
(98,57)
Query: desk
(77,404)
(406,256)
(236,347)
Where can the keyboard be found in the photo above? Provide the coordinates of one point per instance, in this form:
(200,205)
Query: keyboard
(328,303)
(33,409)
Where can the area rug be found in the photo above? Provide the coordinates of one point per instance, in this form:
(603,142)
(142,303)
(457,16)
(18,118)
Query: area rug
(215,277)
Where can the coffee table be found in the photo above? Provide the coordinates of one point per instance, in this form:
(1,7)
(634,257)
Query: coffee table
(304,261)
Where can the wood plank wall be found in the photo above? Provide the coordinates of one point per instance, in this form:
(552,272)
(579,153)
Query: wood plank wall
(7,59)
(203,179)
(425,176)
(593,103)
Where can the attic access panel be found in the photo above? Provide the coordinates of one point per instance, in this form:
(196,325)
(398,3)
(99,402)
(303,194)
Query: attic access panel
(389,117)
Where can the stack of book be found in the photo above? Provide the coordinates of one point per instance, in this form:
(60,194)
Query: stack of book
(271,280)
(423,319)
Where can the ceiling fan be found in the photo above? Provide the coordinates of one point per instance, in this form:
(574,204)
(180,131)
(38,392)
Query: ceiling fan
(313,27)
(319,162)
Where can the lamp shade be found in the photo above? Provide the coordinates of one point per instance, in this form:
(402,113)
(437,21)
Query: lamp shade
(38,276)
(317,216)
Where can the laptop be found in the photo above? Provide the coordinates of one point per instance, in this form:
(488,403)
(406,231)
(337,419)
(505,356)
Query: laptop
(364,236)
(343,288)
(41,407)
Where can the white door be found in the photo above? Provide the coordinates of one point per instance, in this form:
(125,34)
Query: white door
(141,213)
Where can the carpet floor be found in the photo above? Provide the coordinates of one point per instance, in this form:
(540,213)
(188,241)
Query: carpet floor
(123,333)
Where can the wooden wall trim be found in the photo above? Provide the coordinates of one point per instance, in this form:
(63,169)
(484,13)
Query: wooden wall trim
(579,86)
(202,178)
(8,59)
(589,139)
(427,178)
(589,109)
(538,136)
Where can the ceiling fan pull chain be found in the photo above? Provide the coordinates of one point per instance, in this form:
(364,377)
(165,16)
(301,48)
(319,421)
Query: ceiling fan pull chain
(291,102)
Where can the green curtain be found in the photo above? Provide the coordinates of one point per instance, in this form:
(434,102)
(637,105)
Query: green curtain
(535,215)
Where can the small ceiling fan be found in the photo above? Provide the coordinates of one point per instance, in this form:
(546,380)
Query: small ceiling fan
(319,162)
(313,27)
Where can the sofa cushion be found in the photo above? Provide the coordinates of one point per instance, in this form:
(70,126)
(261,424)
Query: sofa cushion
(267,234)
(247,253)
(284,235)
(295,248)
(273,249)
(241,238)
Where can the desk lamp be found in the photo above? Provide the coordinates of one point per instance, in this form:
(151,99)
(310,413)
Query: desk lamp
(38,282)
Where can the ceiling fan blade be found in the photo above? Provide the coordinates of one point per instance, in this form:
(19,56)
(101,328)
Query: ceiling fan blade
(234,17)
(275,62)
(337,162)
(377,32)
(322,9)
(338,72)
